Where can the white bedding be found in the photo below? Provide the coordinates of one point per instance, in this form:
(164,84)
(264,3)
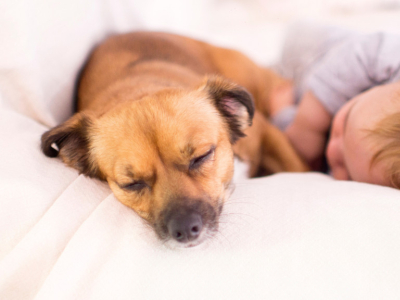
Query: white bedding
(64,236)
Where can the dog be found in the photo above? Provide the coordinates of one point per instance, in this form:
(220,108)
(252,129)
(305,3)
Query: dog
(160,118)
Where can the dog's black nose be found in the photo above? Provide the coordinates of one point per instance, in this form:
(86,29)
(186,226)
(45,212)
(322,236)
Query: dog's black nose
(185,228)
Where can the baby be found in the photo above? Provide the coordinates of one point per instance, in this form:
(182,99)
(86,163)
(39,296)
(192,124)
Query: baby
(349,84)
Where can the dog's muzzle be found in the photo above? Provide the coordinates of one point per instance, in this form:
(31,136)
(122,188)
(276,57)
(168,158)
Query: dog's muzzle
(185,221)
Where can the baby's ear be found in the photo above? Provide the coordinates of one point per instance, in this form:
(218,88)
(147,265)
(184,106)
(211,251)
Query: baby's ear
(71,141)
(234,103)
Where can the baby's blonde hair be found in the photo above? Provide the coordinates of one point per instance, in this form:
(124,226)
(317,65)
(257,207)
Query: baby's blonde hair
(387,141)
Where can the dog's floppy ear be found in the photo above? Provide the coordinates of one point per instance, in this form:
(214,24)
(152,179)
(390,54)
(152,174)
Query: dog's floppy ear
(234,103)
(70,141)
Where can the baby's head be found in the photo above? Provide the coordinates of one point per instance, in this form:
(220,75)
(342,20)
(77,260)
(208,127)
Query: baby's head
(365,138)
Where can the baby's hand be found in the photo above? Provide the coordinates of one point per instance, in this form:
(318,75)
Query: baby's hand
(308,131)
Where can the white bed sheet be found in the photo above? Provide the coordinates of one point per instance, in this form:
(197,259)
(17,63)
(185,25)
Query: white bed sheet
(64,236)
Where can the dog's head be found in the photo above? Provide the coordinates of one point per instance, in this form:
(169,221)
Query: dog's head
(167,156)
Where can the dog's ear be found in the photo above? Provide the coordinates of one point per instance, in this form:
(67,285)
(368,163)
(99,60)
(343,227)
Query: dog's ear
(70,141)
(234,103)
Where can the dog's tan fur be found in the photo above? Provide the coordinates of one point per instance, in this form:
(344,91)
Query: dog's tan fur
(157,117)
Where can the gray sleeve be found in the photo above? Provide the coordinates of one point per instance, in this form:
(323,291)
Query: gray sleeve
(354,67)
(283,118)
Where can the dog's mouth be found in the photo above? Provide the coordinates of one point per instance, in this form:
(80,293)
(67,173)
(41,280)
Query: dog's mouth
(187,223)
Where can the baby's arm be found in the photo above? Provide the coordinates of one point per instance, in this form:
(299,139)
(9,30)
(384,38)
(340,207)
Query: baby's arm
(307,132)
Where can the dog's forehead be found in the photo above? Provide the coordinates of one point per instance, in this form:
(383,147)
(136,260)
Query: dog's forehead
(188,123)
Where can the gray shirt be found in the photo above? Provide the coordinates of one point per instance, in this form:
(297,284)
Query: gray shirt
(337,65)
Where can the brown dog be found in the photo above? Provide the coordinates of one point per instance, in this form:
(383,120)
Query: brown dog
(157,117)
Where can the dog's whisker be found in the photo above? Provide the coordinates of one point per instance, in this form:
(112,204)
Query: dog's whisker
(239,218)
(219,235)
(230,224)
(233,220)
(238,202)
(238,214)
(215,238)
(238,198)
(223,235)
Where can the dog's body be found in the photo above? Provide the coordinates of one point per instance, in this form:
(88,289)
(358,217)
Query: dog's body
(157,117)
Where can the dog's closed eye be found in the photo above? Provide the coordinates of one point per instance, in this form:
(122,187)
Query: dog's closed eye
(135,186)
(196,162)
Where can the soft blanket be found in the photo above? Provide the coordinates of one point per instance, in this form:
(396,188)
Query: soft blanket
(65,236)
